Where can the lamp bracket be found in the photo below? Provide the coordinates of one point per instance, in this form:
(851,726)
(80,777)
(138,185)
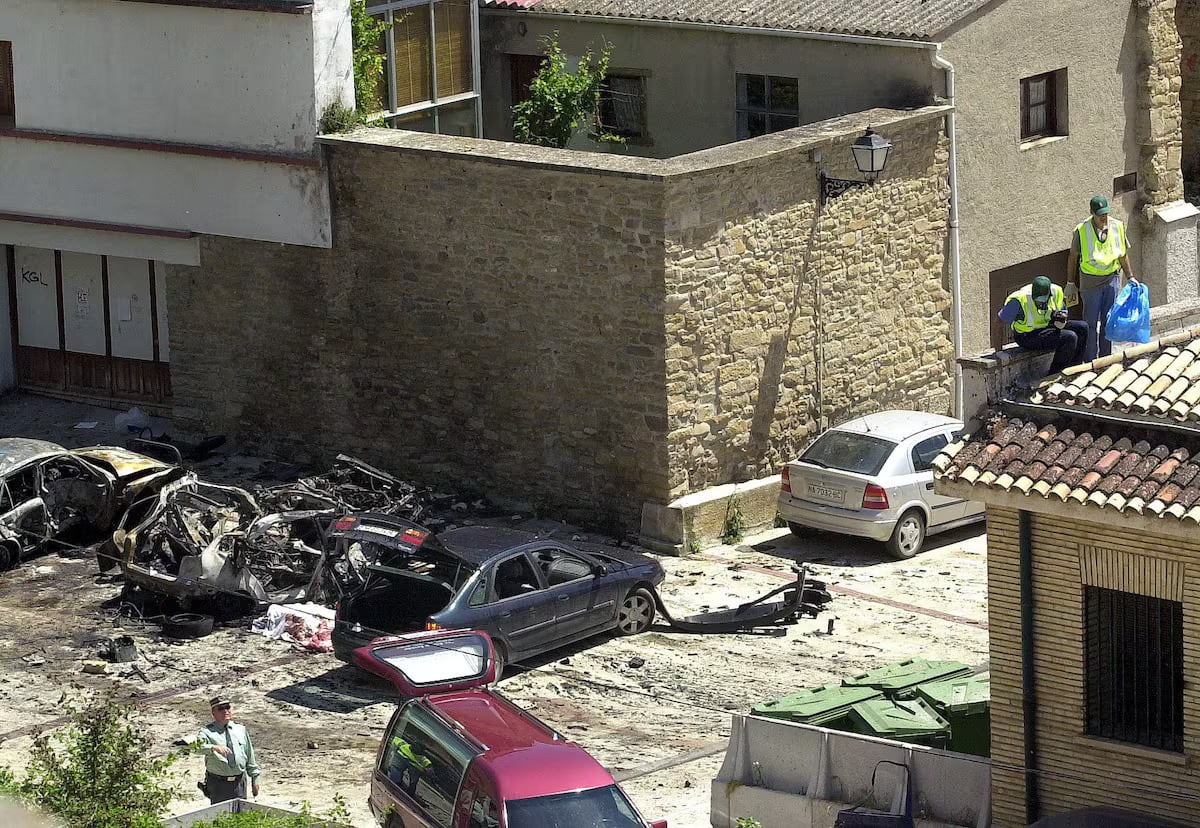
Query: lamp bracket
(834,187)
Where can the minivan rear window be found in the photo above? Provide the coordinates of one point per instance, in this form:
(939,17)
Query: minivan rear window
(596,808)
(849,451)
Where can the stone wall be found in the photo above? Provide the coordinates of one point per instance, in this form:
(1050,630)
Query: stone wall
(784,318)
(1187,21)
(579,331)
(1160,131)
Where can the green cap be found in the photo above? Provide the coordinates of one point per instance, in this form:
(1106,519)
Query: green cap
(1100,206)
(1041,288)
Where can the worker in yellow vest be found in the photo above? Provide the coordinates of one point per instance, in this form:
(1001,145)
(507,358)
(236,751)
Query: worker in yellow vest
(1038,316)
(1098,267)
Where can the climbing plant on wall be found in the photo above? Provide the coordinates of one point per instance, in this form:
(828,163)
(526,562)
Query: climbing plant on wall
(561,102)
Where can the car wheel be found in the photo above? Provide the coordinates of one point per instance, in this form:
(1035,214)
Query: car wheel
(800,530)
(8,558)
(636,613)
(908,537)
(188,625)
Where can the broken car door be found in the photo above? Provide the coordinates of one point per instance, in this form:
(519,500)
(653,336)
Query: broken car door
(22,510)
(524,618)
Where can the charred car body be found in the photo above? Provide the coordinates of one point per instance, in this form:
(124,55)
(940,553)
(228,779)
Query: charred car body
(51,493)
(530,594)
(208,541)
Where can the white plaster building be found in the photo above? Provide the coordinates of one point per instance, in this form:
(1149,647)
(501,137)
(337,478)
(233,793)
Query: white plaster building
(128,128)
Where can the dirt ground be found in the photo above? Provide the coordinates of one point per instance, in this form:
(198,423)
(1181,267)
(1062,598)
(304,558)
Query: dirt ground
(660,727)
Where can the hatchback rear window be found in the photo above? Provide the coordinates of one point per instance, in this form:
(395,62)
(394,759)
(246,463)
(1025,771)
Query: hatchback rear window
(595,808)
(848,451)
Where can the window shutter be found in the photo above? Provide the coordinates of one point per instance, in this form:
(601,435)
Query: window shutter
(453,24)
(414,81)
(7,90)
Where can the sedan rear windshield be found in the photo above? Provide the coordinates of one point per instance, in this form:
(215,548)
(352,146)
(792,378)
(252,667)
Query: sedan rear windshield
(596,808)
(848,451)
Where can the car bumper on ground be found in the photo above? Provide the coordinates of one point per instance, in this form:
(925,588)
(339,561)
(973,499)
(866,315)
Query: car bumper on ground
(864,523)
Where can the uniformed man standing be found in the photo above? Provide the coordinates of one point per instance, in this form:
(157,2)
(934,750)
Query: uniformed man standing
(1098,266)
(228,755)
(1038,316)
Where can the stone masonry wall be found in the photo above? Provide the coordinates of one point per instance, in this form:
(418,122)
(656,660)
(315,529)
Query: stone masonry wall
(476,325)
(577,331)
(783,318)
(1187,21)
(1161,131)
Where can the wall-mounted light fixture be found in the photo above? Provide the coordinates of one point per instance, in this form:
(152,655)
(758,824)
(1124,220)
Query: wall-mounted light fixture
(870,152)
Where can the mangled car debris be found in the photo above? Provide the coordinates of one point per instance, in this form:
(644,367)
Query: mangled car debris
(49,493)
(211,541)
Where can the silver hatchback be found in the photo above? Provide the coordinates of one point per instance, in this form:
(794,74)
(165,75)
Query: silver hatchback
(872,478)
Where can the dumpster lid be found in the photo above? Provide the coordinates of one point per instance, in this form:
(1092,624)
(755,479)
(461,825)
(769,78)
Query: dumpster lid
(899,719)
(815,702)
(906,674)
(968,694)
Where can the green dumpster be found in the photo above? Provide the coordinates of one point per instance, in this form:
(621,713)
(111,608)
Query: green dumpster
(900,680)
(906,720)
(826,706)
(966,703)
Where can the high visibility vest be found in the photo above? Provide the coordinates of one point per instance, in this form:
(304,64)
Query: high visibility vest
(1035,318)
(1101,258)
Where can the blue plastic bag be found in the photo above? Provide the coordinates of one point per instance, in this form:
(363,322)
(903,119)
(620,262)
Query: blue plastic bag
(1129,317)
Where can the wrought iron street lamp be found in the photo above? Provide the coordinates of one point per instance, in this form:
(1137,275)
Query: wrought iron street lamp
(870,151)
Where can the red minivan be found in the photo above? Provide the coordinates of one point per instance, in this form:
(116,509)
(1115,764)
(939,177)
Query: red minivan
(457,755)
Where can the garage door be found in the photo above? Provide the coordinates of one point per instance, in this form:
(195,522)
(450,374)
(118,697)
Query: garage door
(89,326)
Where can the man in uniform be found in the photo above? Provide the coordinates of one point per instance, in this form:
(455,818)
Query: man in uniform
(1038,316)
(228,755)
(1098,266)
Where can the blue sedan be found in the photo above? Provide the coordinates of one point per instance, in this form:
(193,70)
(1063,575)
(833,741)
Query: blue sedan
(530,594)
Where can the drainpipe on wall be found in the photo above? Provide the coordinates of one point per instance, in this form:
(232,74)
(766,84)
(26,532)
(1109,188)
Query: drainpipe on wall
(955,260)
(1028,685)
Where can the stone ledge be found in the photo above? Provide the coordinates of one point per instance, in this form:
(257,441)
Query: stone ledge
(807,137)
(697,520)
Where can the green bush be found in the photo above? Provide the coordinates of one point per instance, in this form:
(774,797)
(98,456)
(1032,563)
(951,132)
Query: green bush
(95,772)
(339,814)
(561,101)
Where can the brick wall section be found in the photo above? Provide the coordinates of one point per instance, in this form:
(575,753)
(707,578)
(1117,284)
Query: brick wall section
(781,315)
(579,331)
(1079,771)
(474,325)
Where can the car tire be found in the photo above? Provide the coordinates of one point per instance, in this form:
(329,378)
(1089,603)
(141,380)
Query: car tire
(188,625)
(8,557)
(636,614)
(800,530)
(908,537)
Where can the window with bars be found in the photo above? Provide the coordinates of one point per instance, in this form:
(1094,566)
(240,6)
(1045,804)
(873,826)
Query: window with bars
(766,103)
(622,109)
(1134,668)
(8,92)
(1042,112)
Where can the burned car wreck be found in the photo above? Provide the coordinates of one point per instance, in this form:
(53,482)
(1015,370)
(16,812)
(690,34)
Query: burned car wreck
(209,541)
(49,493)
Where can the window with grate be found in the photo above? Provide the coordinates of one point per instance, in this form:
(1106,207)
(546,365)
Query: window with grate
(1043,105)
(8,91)
(622,108)
(1134,668)
(766,103)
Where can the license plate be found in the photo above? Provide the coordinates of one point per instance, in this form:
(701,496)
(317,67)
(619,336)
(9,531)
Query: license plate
(830,493)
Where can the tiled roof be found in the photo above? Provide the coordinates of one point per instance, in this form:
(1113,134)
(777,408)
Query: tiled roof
(914,19)
(1109,466)
(1161,379)
(1106,434)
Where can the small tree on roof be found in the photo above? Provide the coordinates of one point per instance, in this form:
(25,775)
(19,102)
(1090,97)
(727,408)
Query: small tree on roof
(561,101)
